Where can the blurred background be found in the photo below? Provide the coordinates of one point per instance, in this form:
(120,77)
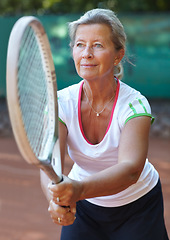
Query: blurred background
(147,25)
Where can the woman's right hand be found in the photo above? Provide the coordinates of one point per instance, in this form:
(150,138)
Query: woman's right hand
(62,215)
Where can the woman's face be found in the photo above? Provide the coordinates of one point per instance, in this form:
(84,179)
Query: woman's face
(94,52)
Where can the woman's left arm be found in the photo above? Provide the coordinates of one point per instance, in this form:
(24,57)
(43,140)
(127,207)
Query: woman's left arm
(132,155)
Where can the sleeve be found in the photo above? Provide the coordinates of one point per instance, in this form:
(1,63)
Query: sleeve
(61,106)
(135,107)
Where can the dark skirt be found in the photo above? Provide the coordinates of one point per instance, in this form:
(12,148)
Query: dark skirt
(140,220)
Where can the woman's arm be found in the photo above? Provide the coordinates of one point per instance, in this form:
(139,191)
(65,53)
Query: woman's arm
(132,155)
(60,215)
(133,150)
(63,140)
(44,180)
(43,177)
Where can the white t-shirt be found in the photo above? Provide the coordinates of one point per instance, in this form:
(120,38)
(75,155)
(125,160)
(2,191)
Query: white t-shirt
(88,158)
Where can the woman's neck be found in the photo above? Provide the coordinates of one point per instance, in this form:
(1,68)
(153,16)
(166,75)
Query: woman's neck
(99,93)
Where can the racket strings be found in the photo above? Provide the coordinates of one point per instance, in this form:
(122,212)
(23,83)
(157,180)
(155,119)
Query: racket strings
(33,95)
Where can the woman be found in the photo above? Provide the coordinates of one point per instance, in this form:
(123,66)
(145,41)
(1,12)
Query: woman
(112,190)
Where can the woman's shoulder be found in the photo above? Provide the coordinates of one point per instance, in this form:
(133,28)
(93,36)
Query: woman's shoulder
(127,90)
(128,93)
(70,92)
(131,103)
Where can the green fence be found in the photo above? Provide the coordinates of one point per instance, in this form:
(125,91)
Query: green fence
(148,48)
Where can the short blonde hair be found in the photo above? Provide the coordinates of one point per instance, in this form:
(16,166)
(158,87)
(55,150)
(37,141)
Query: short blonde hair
(103,16)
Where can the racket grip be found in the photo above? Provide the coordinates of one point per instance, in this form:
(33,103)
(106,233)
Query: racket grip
(57,182)
(48,169)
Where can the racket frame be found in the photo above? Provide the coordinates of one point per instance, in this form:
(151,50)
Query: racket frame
(13,101)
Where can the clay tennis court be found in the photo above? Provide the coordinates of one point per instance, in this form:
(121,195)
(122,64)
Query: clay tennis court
(23,207)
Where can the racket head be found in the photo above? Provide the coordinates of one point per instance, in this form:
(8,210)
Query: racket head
(32,92)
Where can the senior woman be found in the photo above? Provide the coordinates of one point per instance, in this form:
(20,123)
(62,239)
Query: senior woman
(113,190)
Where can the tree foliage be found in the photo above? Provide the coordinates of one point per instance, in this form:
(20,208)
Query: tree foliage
(13,7)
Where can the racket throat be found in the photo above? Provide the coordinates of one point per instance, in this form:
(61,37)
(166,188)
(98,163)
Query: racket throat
(49,170)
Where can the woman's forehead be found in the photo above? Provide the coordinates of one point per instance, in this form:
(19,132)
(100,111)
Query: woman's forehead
(101,31)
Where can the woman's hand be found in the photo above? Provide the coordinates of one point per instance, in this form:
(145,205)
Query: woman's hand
(62,215)
(66,193)
(64,196)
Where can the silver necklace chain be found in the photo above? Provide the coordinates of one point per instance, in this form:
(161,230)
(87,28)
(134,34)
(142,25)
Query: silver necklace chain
(98,113)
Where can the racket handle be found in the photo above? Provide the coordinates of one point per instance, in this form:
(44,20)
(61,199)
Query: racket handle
(48,169)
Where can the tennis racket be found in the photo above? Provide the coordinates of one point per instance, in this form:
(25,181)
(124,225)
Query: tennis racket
(32,96)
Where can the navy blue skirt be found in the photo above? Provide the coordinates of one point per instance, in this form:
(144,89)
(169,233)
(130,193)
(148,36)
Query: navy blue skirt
(140,220)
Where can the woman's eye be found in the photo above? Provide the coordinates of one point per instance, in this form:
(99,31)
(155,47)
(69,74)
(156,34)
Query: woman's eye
(79,45)
(98,45)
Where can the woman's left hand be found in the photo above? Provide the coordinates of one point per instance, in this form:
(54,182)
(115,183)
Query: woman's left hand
(66,193)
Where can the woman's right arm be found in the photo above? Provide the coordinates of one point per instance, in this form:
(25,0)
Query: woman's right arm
(61,215)
(43,177)
(62,139)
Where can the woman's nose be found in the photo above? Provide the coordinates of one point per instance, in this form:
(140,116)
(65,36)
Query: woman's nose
(87,53)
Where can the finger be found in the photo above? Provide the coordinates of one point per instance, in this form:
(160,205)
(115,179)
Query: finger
(65,220)
(60,215)
(56,193)
(73,208)
(52,206)
(53,187)
(59,187)
(58,210)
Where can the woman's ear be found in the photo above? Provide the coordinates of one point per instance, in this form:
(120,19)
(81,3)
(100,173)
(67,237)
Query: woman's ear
(120,55)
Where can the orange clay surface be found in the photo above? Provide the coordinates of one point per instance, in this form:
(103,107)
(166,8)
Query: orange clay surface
(23,207)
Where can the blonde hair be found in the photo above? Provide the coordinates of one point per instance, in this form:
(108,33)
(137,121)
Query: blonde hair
(103,16)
